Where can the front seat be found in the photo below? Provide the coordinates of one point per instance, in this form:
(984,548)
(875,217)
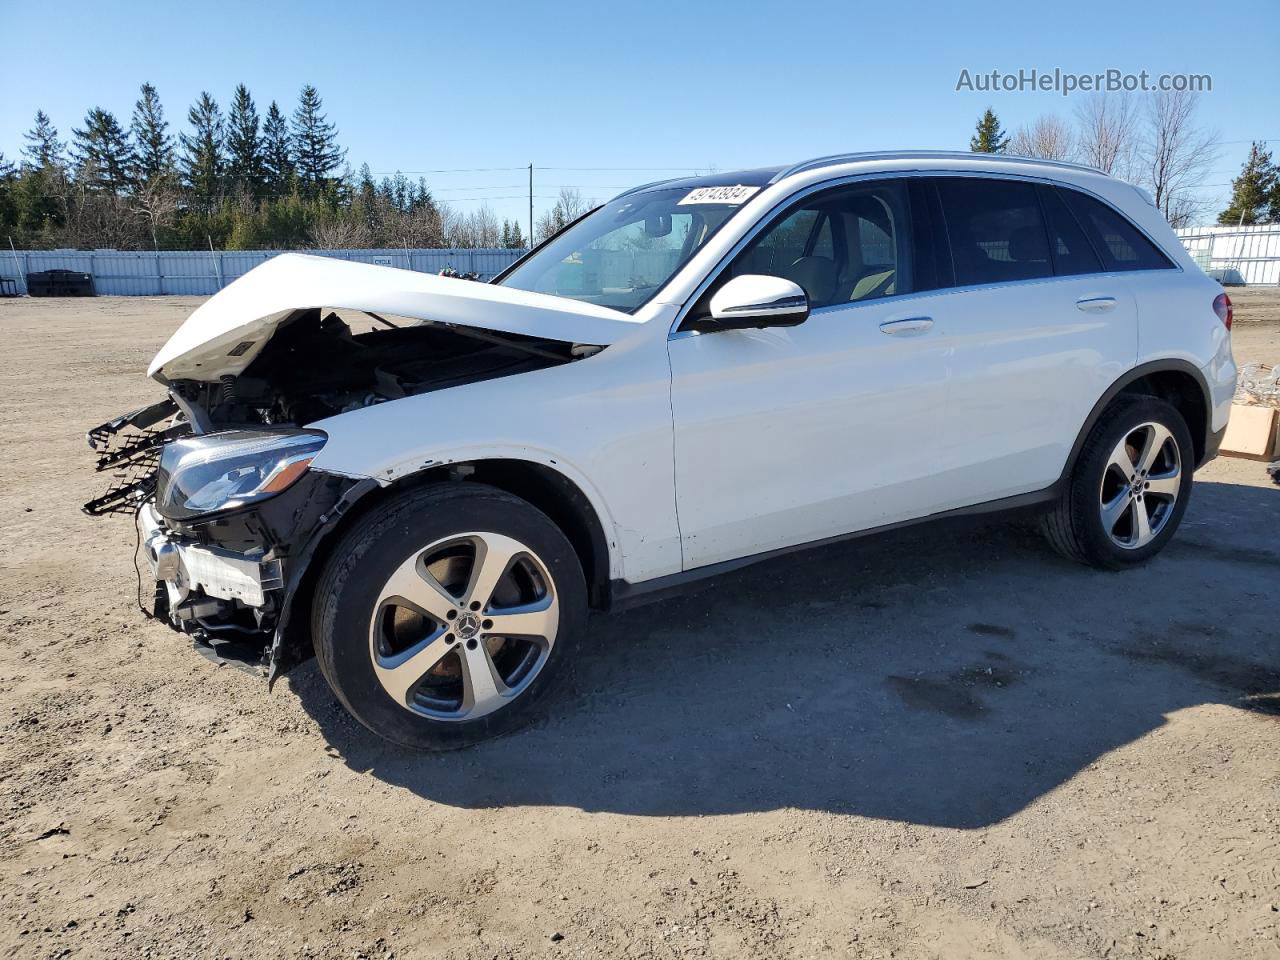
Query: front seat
(816,276)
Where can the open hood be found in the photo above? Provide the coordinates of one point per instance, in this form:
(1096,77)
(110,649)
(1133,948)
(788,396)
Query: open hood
(225,334)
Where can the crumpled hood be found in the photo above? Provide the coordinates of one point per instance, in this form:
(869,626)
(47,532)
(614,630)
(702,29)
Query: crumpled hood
(230,329)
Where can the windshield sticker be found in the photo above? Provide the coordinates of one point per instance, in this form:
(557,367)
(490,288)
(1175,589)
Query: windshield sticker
(734,195)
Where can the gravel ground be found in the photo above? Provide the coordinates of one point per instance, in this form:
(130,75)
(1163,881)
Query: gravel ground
(944,742)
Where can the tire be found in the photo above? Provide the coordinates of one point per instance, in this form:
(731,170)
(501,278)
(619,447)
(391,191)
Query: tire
(1096,521)
(414,585)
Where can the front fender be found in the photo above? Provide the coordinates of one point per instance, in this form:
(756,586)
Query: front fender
(603,423)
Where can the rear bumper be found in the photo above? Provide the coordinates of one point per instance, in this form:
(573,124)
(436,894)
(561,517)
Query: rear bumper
(1212,444)
(189,568)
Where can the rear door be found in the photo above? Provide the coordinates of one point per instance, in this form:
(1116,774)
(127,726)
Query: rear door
(1035,332)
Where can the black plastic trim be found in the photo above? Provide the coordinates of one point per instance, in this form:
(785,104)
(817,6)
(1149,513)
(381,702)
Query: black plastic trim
(283,653)
(624,594)
(1130,377)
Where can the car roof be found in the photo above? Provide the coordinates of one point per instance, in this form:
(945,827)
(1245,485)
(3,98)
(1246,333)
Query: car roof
(763,176)
(757,177)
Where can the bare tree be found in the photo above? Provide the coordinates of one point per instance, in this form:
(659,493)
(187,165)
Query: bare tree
(1107,134)
(96,220)
(1175,155)
(156,204)
(339,234)
(569,206)
(424,227)
(479,228)
(1049,138)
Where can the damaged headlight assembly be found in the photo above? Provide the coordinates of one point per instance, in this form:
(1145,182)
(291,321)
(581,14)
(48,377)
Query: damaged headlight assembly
(222,471)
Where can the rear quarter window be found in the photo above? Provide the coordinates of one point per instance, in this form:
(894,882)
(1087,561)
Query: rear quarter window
(1120,244)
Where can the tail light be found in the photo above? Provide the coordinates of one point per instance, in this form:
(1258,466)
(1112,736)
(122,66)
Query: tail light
(1222,307)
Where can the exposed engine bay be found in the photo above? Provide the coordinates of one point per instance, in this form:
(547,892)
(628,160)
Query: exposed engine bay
(316,367)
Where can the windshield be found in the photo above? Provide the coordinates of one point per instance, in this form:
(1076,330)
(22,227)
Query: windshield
(621,254)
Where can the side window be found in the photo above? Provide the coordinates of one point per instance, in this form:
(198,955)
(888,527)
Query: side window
(782,245)
(996,230)
(1121,245)
(1073,254)
(845,245)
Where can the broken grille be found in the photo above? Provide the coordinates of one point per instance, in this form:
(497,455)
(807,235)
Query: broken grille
(128,449)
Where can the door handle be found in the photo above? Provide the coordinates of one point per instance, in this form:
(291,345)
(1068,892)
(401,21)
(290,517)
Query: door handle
(1096,304)
(908,326)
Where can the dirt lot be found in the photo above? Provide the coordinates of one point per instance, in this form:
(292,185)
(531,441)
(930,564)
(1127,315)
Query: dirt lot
(945,742)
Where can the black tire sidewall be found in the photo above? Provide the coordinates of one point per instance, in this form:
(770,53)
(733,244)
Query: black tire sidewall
(363,561)
(1087,479)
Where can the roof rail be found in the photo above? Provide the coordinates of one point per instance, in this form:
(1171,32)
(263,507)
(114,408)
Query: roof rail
(839,158)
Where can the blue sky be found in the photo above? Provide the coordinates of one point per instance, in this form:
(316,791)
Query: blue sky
(658,88)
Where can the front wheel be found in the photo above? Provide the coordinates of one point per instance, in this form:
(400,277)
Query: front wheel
(444,615)
(1129,488)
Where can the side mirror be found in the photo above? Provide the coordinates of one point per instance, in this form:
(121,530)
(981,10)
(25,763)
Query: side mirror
(753,300)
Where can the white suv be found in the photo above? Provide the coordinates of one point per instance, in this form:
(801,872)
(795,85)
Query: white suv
(431,481)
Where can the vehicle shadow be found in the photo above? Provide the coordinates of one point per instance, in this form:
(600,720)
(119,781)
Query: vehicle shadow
(947,675)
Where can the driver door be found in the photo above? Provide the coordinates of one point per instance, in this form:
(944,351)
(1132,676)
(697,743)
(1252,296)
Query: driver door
(789,435)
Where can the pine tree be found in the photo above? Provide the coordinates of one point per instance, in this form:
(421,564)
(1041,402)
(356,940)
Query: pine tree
(45,149)
(512,238)
(315,144)
(103,153)
(366,189)
(1254,196)
(990,137)
(8,205)
(244,145)
(277,152)
(202,160)
(154,150)
(35,192)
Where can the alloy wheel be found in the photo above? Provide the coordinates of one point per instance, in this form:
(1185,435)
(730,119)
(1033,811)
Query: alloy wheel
(463,626)
(1140,485)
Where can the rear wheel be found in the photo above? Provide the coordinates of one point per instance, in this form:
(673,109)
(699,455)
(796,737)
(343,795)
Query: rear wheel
(443,616)
(1129,488)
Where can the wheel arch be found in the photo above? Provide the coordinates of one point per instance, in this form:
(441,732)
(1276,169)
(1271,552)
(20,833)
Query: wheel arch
(1176,381)
(541,485)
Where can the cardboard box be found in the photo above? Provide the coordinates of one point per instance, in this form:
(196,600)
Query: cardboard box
(1251,432)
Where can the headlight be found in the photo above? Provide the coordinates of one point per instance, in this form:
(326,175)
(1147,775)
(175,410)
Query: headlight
(221,471)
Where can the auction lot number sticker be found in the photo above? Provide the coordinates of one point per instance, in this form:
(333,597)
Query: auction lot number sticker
(734,195)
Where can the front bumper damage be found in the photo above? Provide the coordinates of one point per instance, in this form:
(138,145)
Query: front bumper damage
(229,580)
(240,583)
(195,577)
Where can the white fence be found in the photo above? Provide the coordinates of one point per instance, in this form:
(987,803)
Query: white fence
(1236,254)
(196,273)
(1249,255)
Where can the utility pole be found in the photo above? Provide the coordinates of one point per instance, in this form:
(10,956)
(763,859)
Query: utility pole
(531,206)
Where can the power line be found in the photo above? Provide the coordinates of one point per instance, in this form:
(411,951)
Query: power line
(392,173)
(628,169)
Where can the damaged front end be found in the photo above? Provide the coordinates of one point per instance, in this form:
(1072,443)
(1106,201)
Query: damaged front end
(217,475)
(226,523)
